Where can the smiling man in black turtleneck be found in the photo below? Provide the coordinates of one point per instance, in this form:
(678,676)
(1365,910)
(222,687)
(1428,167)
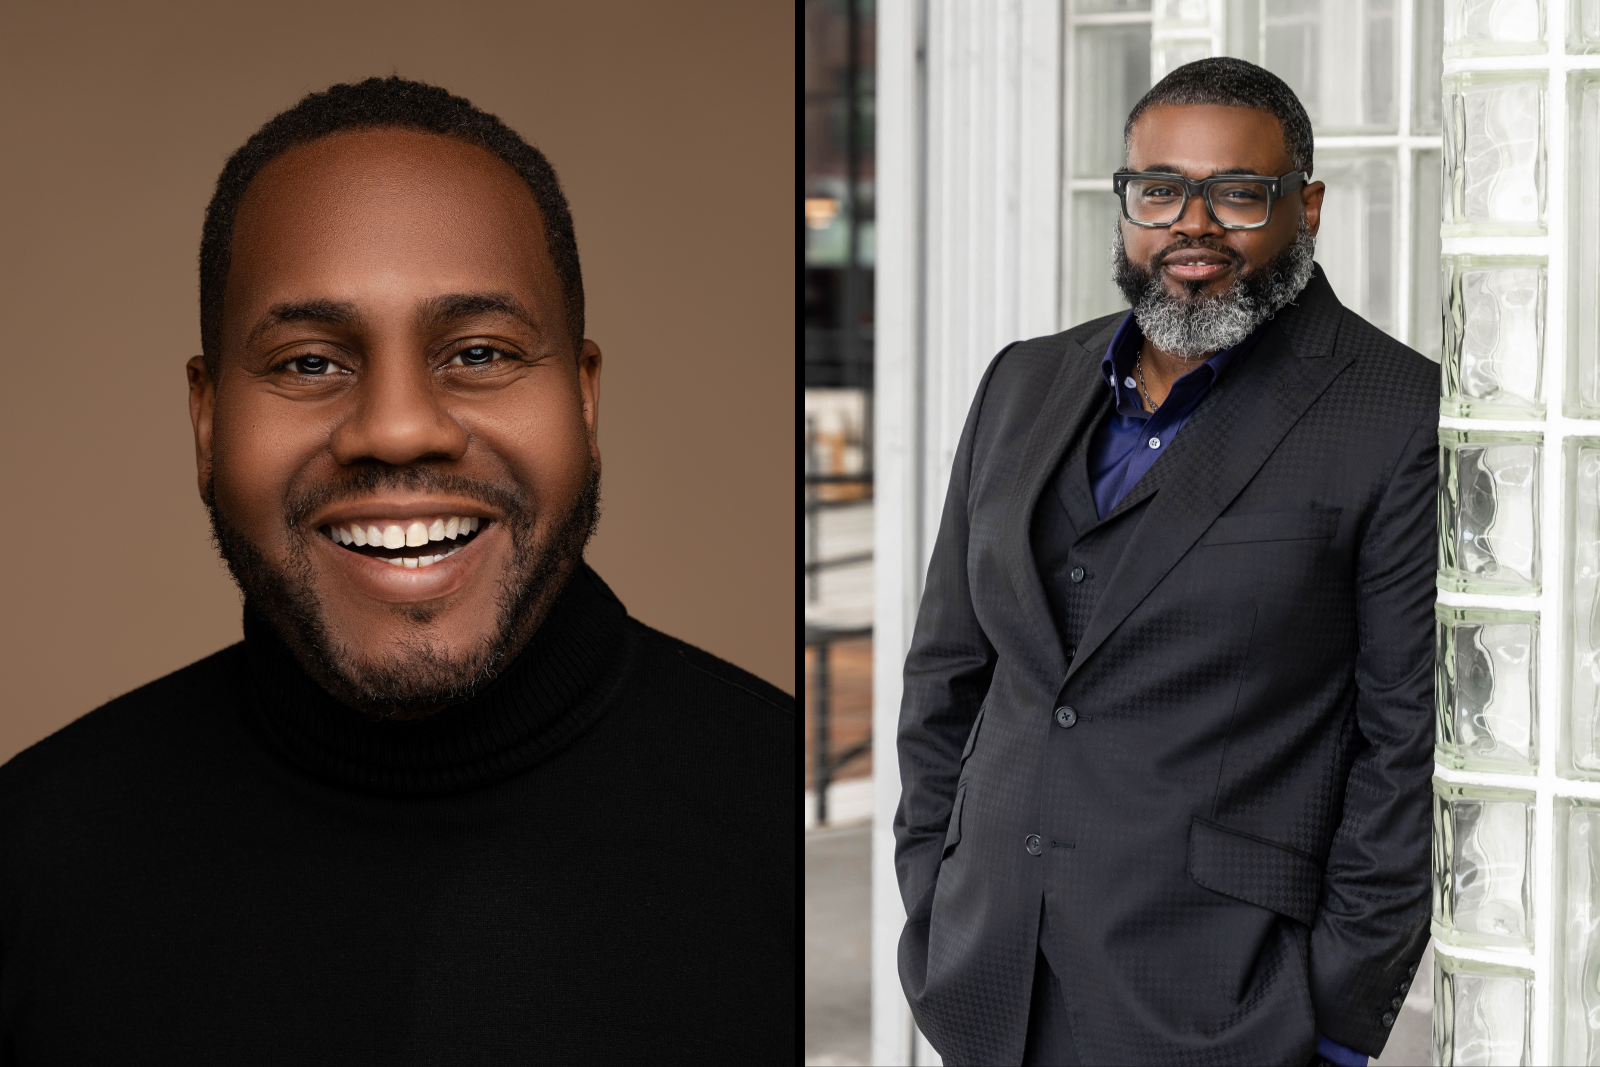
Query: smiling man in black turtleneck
(446,802)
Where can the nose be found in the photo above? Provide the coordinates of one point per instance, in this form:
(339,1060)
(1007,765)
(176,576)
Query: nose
(1196,221)
(398,417)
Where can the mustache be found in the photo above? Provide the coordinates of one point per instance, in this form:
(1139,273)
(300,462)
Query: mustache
(361,481)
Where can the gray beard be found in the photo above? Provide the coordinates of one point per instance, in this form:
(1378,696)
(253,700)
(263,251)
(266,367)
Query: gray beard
(1194,324)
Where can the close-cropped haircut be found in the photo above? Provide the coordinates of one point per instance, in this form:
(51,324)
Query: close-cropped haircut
(1233,83)
(380,103)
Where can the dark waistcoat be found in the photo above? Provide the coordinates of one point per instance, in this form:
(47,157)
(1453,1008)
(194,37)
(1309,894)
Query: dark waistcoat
(1074,549)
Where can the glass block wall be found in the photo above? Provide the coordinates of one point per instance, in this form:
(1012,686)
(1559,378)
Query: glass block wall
(1368,72)
(1516,853)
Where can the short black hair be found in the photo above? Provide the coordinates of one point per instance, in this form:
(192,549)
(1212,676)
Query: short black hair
(380,103)
(1233,83)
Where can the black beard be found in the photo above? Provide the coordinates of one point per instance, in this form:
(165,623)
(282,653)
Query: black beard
(416,679)
(1194,323)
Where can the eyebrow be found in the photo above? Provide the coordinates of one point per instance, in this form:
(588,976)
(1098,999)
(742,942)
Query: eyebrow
(329,312)
(433,312)
(441,310)
(1168,168)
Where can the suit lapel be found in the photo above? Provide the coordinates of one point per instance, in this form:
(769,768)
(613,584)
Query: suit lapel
(1237,427)
(1076,394)
(1073,488)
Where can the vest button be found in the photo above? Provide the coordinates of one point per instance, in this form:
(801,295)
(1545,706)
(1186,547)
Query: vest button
(1033,844)
(1072,651)
(1066,718)
(1077,574)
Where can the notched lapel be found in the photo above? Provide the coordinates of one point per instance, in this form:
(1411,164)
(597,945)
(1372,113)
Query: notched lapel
(1235,430)
(1076,394)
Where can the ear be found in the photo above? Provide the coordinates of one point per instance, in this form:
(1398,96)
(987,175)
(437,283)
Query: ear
(202,402)
(1311,199)
(589,387)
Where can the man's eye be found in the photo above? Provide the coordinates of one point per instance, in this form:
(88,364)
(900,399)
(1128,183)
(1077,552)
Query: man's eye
(476,356)
(311,365)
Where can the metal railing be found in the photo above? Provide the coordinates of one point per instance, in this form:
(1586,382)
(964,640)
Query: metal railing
(826,764)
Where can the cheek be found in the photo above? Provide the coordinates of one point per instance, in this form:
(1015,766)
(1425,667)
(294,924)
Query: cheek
(254,457)
(540,435)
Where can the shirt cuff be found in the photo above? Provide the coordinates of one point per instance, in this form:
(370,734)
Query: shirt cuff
(1334,1052)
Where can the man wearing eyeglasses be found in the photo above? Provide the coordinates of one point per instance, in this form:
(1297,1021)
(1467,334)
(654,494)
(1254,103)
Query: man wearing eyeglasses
(1167,727)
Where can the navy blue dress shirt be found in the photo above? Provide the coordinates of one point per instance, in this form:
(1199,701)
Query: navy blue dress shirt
(1129,442)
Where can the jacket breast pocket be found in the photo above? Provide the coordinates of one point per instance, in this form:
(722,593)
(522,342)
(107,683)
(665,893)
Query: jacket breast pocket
(1301,524)
(1255,870)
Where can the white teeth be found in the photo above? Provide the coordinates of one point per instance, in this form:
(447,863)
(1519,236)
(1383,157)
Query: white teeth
(411,561)
(411,534)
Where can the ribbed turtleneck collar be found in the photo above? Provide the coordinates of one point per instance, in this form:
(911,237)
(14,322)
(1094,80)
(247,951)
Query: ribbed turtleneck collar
(551,692)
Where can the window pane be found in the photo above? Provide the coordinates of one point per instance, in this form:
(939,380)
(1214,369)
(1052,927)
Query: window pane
(1113,72)
(1426,311)
(1427,66)
(1094,293)
(1355,242)
(1583,227)
(1339,56)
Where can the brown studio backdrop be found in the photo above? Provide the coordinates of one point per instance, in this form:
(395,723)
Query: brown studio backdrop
(672,127)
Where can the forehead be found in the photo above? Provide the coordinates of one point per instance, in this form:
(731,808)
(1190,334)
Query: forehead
(1200,139)
(384,214)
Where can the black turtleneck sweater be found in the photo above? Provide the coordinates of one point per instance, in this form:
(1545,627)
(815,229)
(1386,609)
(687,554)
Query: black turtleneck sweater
(592,862)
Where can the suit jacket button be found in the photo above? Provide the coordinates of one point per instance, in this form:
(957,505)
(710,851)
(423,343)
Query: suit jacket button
(1033,844)
(1396,1002)
(1388,1018)
(1077,574)
(1066,718)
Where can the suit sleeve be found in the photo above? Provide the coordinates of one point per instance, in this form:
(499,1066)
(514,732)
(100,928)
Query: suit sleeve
(1373,924)
(947,673)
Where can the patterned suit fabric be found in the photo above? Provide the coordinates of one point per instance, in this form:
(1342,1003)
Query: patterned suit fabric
(1230,836)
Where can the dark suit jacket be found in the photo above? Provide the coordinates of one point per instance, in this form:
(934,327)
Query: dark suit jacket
(1250,860)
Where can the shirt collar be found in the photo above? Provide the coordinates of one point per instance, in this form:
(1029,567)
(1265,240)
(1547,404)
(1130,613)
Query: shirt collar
(1117,368)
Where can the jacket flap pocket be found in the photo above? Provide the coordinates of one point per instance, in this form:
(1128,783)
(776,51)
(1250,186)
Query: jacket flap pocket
(1255,870)
(1303,524)
(953,835)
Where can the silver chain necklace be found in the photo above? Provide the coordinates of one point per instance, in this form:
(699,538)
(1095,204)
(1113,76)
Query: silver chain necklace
(1138,368)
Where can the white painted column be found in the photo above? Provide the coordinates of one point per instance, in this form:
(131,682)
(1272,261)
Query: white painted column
(968,180)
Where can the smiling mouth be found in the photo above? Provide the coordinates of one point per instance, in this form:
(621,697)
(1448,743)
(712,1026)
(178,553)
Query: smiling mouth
(407,543)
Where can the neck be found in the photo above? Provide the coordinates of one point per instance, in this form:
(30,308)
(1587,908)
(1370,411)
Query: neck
(1162,368)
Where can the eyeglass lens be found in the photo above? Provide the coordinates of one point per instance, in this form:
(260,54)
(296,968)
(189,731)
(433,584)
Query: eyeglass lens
(1233,203)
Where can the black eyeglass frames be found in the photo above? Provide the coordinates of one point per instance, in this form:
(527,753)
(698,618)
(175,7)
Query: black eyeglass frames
(1234,201)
